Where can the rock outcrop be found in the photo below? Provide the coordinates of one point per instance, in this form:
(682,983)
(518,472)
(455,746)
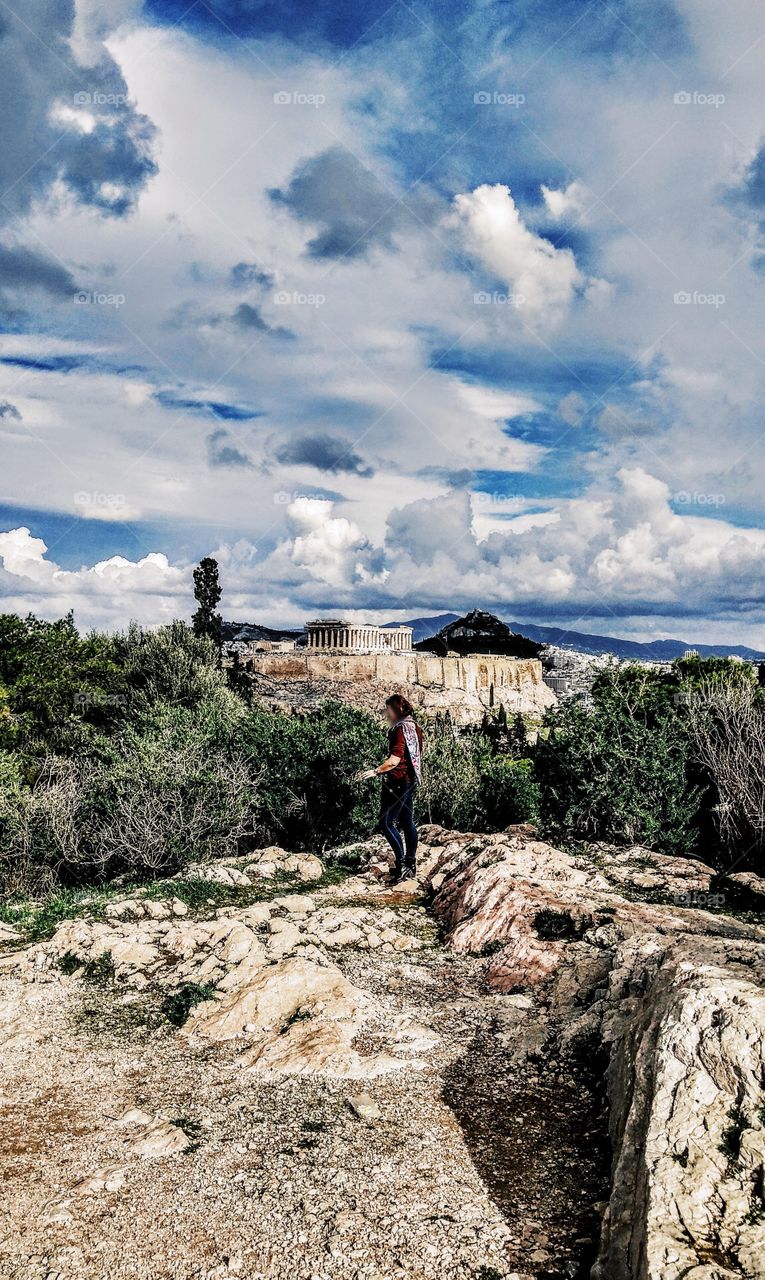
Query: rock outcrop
(466,687)
(264,973)
(620,957)
(675,995)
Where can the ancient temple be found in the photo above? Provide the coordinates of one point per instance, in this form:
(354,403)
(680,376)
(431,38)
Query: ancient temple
(332,633)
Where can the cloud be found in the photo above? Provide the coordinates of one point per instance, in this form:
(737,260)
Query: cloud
(328,549)
(222,451)
(104,164)
(354,211)
(545,280)
(109,593)
(244,275)
(572,409)
(325,453)
(750,190)
(8,410)
(248,316)
(22,268)
(572,202)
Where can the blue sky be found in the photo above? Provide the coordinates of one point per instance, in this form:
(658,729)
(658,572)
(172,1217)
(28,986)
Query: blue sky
(395,309)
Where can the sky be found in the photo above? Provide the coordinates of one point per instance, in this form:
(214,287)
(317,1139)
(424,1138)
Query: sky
(393,308)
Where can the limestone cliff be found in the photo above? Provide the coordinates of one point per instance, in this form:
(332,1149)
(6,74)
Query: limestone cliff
(465,687)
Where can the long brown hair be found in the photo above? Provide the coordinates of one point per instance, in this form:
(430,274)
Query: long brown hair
(400,705)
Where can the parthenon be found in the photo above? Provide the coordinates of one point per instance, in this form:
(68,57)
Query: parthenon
(332,633)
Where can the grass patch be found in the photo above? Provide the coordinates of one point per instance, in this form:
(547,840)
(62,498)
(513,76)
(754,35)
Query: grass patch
(178,1005)
(37,919)
(100,970)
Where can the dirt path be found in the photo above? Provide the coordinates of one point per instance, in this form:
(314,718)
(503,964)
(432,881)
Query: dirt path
(475,1168)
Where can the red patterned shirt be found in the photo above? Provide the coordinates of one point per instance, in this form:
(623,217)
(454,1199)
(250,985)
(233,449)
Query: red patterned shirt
(397,747)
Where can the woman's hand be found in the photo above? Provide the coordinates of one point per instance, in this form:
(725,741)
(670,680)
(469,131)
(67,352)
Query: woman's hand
(364,774)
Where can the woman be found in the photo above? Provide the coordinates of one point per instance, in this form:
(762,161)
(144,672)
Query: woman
(400,776)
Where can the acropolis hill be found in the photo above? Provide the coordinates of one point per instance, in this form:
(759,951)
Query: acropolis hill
(362,665)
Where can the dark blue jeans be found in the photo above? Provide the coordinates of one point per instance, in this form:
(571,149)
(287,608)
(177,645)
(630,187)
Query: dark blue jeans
(397,817)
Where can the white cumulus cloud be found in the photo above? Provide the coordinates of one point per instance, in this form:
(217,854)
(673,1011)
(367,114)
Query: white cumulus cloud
(544,279)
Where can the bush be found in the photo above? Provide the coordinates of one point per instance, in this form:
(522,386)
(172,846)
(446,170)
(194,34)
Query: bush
(466,787)
(170,665)
(307,796)
(621,770)
(163,792)
(726,719)
(507,792)
(58,689)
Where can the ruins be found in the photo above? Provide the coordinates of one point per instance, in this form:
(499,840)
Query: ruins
(343,637)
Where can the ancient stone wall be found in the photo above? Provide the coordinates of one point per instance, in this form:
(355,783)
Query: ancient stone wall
(465,687)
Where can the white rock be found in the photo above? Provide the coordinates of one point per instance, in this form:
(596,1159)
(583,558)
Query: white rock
(160,1138)
(296,904)
(110,1178)
(365,1107)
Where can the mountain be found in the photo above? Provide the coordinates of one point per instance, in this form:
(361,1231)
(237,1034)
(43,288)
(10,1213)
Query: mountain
(480,632)
(249,631)
(652,651)
(423,628)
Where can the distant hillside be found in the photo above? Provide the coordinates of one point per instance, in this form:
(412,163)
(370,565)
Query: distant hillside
(653,651)
(249,631)
(426,627)
(479,632)
(423,628)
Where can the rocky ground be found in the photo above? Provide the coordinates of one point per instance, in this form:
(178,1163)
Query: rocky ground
(313,1076)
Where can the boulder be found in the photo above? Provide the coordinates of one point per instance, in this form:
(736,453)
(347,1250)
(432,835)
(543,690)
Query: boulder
(280,993)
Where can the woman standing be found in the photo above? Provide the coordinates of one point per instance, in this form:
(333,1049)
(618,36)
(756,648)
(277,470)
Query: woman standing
(400,774)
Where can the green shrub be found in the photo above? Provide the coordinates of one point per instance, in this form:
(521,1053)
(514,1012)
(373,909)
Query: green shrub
(307,796)
(58,688)
(179,1003)
(466,787)
(621,770)
(167,789)
(171,666)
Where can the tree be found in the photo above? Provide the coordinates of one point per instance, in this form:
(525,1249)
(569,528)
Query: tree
(207,593)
